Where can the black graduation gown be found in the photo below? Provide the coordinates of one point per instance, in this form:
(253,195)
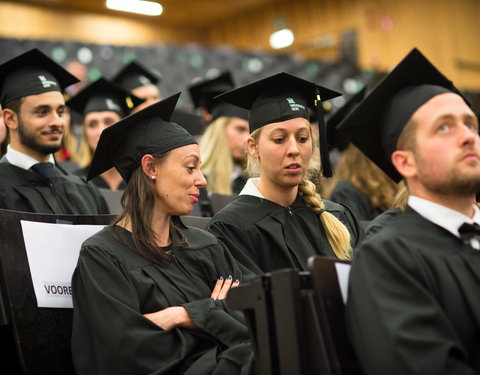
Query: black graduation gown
(98,181)
(265,236)
(348,195)
(113,287)
(24,190)
(413,305)
(382,220)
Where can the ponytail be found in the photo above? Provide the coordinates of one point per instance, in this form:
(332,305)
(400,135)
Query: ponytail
(337,233)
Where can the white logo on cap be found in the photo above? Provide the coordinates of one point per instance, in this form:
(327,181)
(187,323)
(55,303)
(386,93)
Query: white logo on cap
(111,105)
(295,106)
(46,83)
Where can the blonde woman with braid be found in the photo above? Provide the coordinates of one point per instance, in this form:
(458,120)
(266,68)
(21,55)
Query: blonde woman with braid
(279,220)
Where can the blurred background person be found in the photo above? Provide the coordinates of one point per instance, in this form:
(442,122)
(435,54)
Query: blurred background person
(361,185)
(101,104)
(141,82)
(203,91)
(223,149)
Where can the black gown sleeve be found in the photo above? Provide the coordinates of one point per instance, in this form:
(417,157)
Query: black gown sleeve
(239,243)
(111,335)
(396,324)
(105,304)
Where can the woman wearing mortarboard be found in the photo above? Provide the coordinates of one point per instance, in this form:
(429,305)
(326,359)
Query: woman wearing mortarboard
(279,220)
(149,292)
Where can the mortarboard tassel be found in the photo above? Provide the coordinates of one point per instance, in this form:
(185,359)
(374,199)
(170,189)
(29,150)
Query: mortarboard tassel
(327,168)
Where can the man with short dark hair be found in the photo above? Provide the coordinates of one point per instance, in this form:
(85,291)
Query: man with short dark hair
(413,304)
(31,96)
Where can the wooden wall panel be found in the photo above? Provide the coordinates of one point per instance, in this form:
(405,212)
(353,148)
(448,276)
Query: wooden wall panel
(446,31)
(34,22)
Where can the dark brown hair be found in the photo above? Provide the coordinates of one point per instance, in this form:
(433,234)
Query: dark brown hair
(138,203)
(15,105)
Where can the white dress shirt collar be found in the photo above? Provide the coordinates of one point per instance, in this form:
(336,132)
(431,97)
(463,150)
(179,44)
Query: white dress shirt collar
(250,188)
(21,160)
(443,216)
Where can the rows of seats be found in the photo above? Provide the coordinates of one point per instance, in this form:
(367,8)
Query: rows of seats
(291,315)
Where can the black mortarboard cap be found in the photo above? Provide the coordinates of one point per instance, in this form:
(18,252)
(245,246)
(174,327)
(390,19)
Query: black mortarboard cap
(283,97)
(203,91)
(222,109)
(148,131)
(32,73)
(334,118)
(102,95)
(192,122)
(135,75)
(376,123)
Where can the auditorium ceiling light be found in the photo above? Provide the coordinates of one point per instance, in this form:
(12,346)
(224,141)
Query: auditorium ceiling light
(281,38)
(149,8)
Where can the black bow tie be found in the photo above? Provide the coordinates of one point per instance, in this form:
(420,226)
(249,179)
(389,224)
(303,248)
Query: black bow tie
(44,170)
(468,231)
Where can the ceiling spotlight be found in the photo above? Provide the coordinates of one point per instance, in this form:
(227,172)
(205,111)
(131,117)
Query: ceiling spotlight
(149,8)
(281,38)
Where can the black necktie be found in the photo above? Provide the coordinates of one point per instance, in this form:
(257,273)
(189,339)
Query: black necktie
(468,231)
(44,170)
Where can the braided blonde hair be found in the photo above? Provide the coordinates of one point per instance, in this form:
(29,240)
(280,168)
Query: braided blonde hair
(337,233)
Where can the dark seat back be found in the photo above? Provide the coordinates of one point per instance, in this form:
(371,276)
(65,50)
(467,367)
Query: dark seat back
(41,336)
(113,199)
(283,324)
(295,321)
(218,201)
(326,274)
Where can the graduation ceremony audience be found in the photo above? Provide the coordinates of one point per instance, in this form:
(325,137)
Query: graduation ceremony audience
(399,206)
(413,303)
(33,105)
(279,220)
(149,292)
(101,104)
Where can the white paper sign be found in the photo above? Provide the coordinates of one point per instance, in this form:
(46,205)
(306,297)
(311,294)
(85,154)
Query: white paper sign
(52,252)
(343,273)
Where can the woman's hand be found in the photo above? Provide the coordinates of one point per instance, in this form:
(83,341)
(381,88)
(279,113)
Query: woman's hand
(171,317)
(177,316)
(222,287)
